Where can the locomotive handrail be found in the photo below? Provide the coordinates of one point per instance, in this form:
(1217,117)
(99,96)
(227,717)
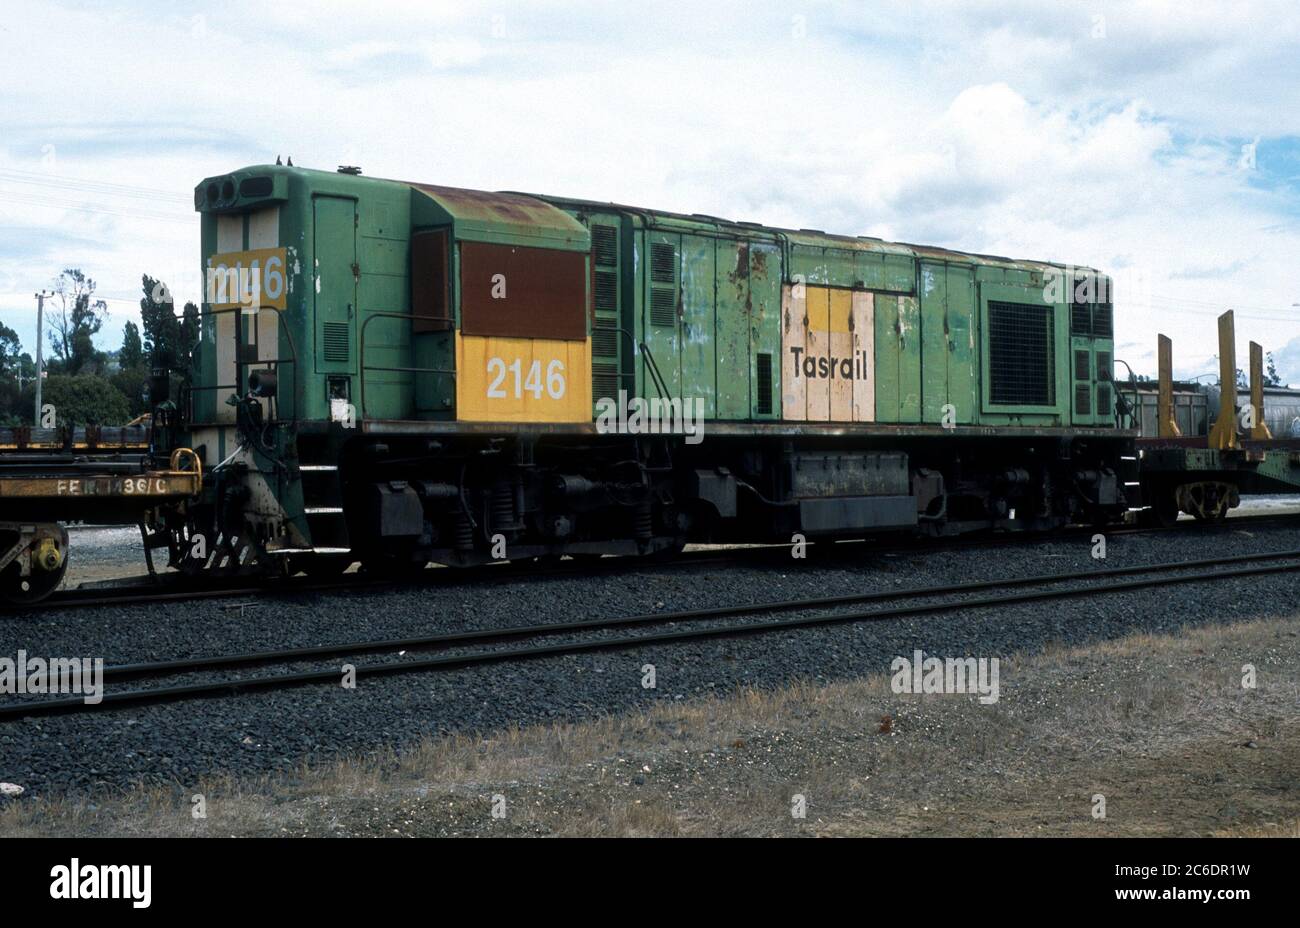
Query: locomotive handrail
(240,366)
(655,377)
(363,366)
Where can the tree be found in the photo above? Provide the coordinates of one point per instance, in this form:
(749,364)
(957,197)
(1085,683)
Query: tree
(131,355)
(75,317)
(1271,376)
(132,371)
(10,353)
(12,380)
(83,400)
(189,331)
(163,340)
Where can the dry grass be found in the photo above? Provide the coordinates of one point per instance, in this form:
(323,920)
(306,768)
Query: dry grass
(1157,724)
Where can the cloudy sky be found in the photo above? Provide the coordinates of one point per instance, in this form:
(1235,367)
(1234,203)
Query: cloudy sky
(1158,141)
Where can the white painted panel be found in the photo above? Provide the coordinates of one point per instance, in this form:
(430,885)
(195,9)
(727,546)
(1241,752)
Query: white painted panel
(864,360)
(225,372)
(264,228)
(230,232)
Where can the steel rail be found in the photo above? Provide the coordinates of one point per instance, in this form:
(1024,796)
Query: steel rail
(489,635)
(147,594)
(475,658)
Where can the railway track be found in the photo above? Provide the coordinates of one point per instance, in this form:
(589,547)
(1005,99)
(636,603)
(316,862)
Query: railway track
(903,604)
(144,591)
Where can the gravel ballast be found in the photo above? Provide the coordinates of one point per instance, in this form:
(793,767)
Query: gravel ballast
(273,731)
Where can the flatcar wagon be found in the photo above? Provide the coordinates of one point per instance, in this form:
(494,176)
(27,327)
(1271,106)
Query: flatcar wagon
(397,373)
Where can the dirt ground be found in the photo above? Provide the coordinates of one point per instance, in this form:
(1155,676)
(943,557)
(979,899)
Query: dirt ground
(1162,728)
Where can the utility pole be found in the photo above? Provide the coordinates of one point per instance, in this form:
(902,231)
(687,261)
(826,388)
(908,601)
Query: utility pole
(40,326)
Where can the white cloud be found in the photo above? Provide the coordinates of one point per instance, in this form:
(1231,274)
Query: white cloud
(1001,127)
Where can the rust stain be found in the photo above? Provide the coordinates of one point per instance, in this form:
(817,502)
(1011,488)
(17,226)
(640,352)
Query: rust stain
(481,204)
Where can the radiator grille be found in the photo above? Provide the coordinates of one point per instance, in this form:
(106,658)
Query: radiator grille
(663,263)
(606,291)
(1080,316)
(1103,400)
(604,381)
(604,338)
(763,379)
(663,306)
(1022,354)
(604,245)
(1103,320)
(1083,400)
(336,342)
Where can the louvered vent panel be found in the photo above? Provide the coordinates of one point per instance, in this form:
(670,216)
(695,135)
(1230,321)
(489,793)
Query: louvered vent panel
(606,291)
(604,338)
(604,381)
(763,360)
(1103,400)
(1081,365)
(1083,400)
(663,263)
(663,306)
(1080,319)
(1103,365)
(1022,354)
(604,245)
(1103,320)
(336,342)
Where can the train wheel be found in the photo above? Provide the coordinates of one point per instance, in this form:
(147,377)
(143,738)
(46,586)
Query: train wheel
(1208,502)
(46,558)
(1164,507)
(1216,514)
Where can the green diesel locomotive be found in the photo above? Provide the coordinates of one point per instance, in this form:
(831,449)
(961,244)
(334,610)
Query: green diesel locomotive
(397,373)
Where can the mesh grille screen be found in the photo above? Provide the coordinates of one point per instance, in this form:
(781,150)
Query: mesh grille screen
(764,362)
(1022,354)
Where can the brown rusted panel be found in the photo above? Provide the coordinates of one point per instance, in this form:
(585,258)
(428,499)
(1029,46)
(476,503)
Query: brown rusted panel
(430,282)
(486,205)
(523,292)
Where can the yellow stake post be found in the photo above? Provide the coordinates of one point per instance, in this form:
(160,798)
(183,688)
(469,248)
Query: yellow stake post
(1166,422)
(1224,434)
(1259,430)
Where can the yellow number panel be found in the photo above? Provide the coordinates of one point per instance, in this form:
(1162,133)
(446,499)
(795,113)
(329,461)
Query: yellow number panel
(522,379)
(247,278)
